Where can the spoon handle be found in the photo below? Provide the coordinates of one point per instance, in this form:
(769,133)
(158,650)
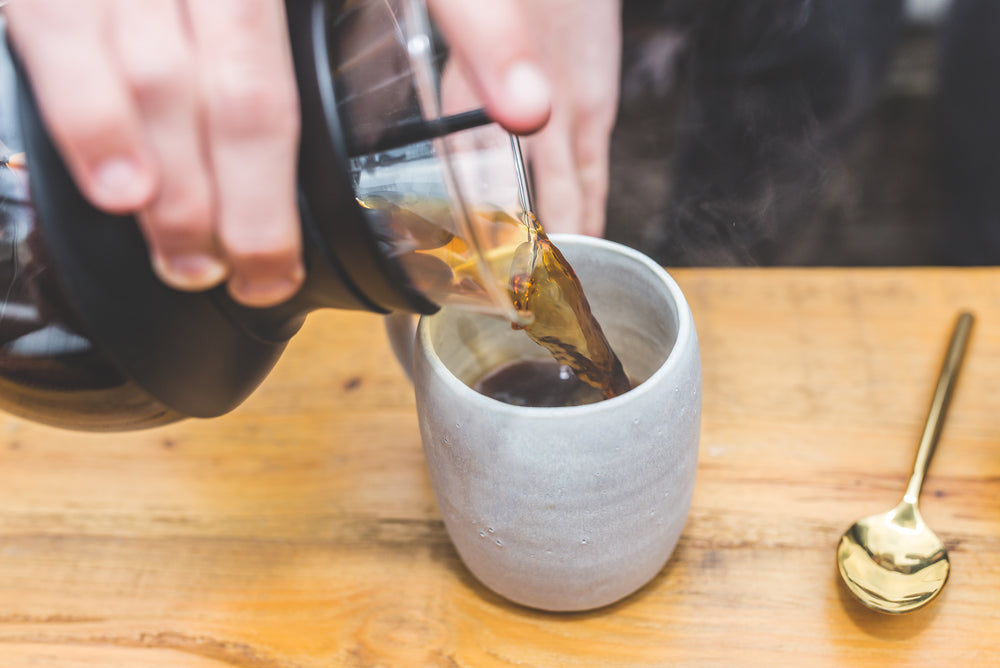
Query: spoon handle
(939,404)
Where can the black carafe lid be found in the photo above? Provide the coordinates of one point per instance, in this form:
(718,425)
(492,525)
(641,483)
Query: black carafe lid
(201,354)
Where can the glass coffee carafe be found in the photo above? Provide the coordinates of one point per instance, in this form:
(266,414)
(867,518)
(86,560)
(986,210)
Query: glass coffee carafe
(404,207)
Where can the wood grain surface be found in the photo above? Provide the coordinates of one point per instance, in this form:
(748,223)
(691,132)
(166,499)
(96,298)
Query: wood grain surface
(301,530)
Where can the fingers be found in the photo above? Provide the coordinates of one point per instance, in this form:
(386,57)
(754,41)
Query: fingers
(592,176)
(559,199)
(157,61)
(570,166)
(590,139)
(592,85)
(579,43)
(84,102)
(492,40)
(252,126)
(571,156)
(186,114)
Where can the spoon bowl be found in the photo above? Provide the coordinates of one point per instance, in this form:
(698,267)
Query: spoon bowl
(892,562)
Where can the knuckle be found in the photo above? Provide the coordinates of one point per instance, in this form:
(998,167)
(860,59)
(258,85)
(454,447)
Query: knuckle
(182,223)
(588,155)
(593,178)
(54,14)
(154,81)
(591,160)
(597,116)
(592,145)
(89,128)
(260,250)
(244,102)
(595,104)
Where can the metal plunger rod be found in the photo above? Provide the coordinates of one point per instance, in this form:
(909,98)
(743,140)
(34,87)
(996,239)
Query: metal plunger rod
(522,176)
(412,132)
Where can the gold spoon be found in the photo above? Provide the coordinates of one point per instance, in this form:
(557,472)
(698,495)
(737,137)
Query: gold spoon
(892,562)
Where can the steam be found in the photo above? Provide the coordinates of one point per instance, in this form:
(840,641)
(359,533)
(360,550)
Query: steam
(768,95)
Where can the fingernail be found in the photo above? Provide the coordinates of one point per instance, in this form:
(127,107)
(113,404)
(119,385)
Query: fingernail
(120,182)
(197,271)
(526,83)
(266,291)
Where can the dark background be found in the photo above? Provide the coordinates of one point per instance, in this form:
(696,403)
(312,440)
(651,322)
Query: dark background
(879,199)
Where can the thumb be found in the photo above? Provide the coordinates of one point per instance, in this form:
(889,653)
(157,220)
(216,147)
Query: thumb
(490,41)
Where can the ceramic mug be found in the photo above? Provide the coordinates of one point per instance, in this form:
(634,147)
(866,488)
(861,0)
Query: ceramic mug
(568,508)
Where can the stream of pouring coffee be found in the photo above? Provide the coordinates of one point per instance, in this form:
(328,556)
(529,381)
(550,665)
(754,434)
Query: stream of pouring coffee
(543,283)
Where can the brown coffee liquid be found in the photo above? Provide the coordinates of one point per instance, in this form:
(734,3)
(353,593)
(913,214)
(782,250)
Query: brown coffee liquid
(538,383)
(541,284)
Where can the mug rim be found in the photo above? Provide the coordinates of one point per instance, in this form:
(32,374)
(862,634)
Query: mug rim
(685,334)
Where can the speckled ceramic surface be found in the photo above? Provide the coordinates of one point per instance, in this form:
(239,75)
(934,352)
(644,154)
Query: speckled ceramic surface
(567,508)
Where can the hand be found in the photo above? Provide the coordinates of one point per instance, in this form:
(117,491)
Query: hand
(184,112)
(532,60)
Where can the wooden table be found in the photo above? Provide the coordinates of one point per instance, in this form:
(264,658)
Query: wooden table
(301,530)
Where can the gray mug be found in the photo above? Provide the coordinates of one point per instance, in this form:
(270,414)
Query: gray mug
(568,508)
